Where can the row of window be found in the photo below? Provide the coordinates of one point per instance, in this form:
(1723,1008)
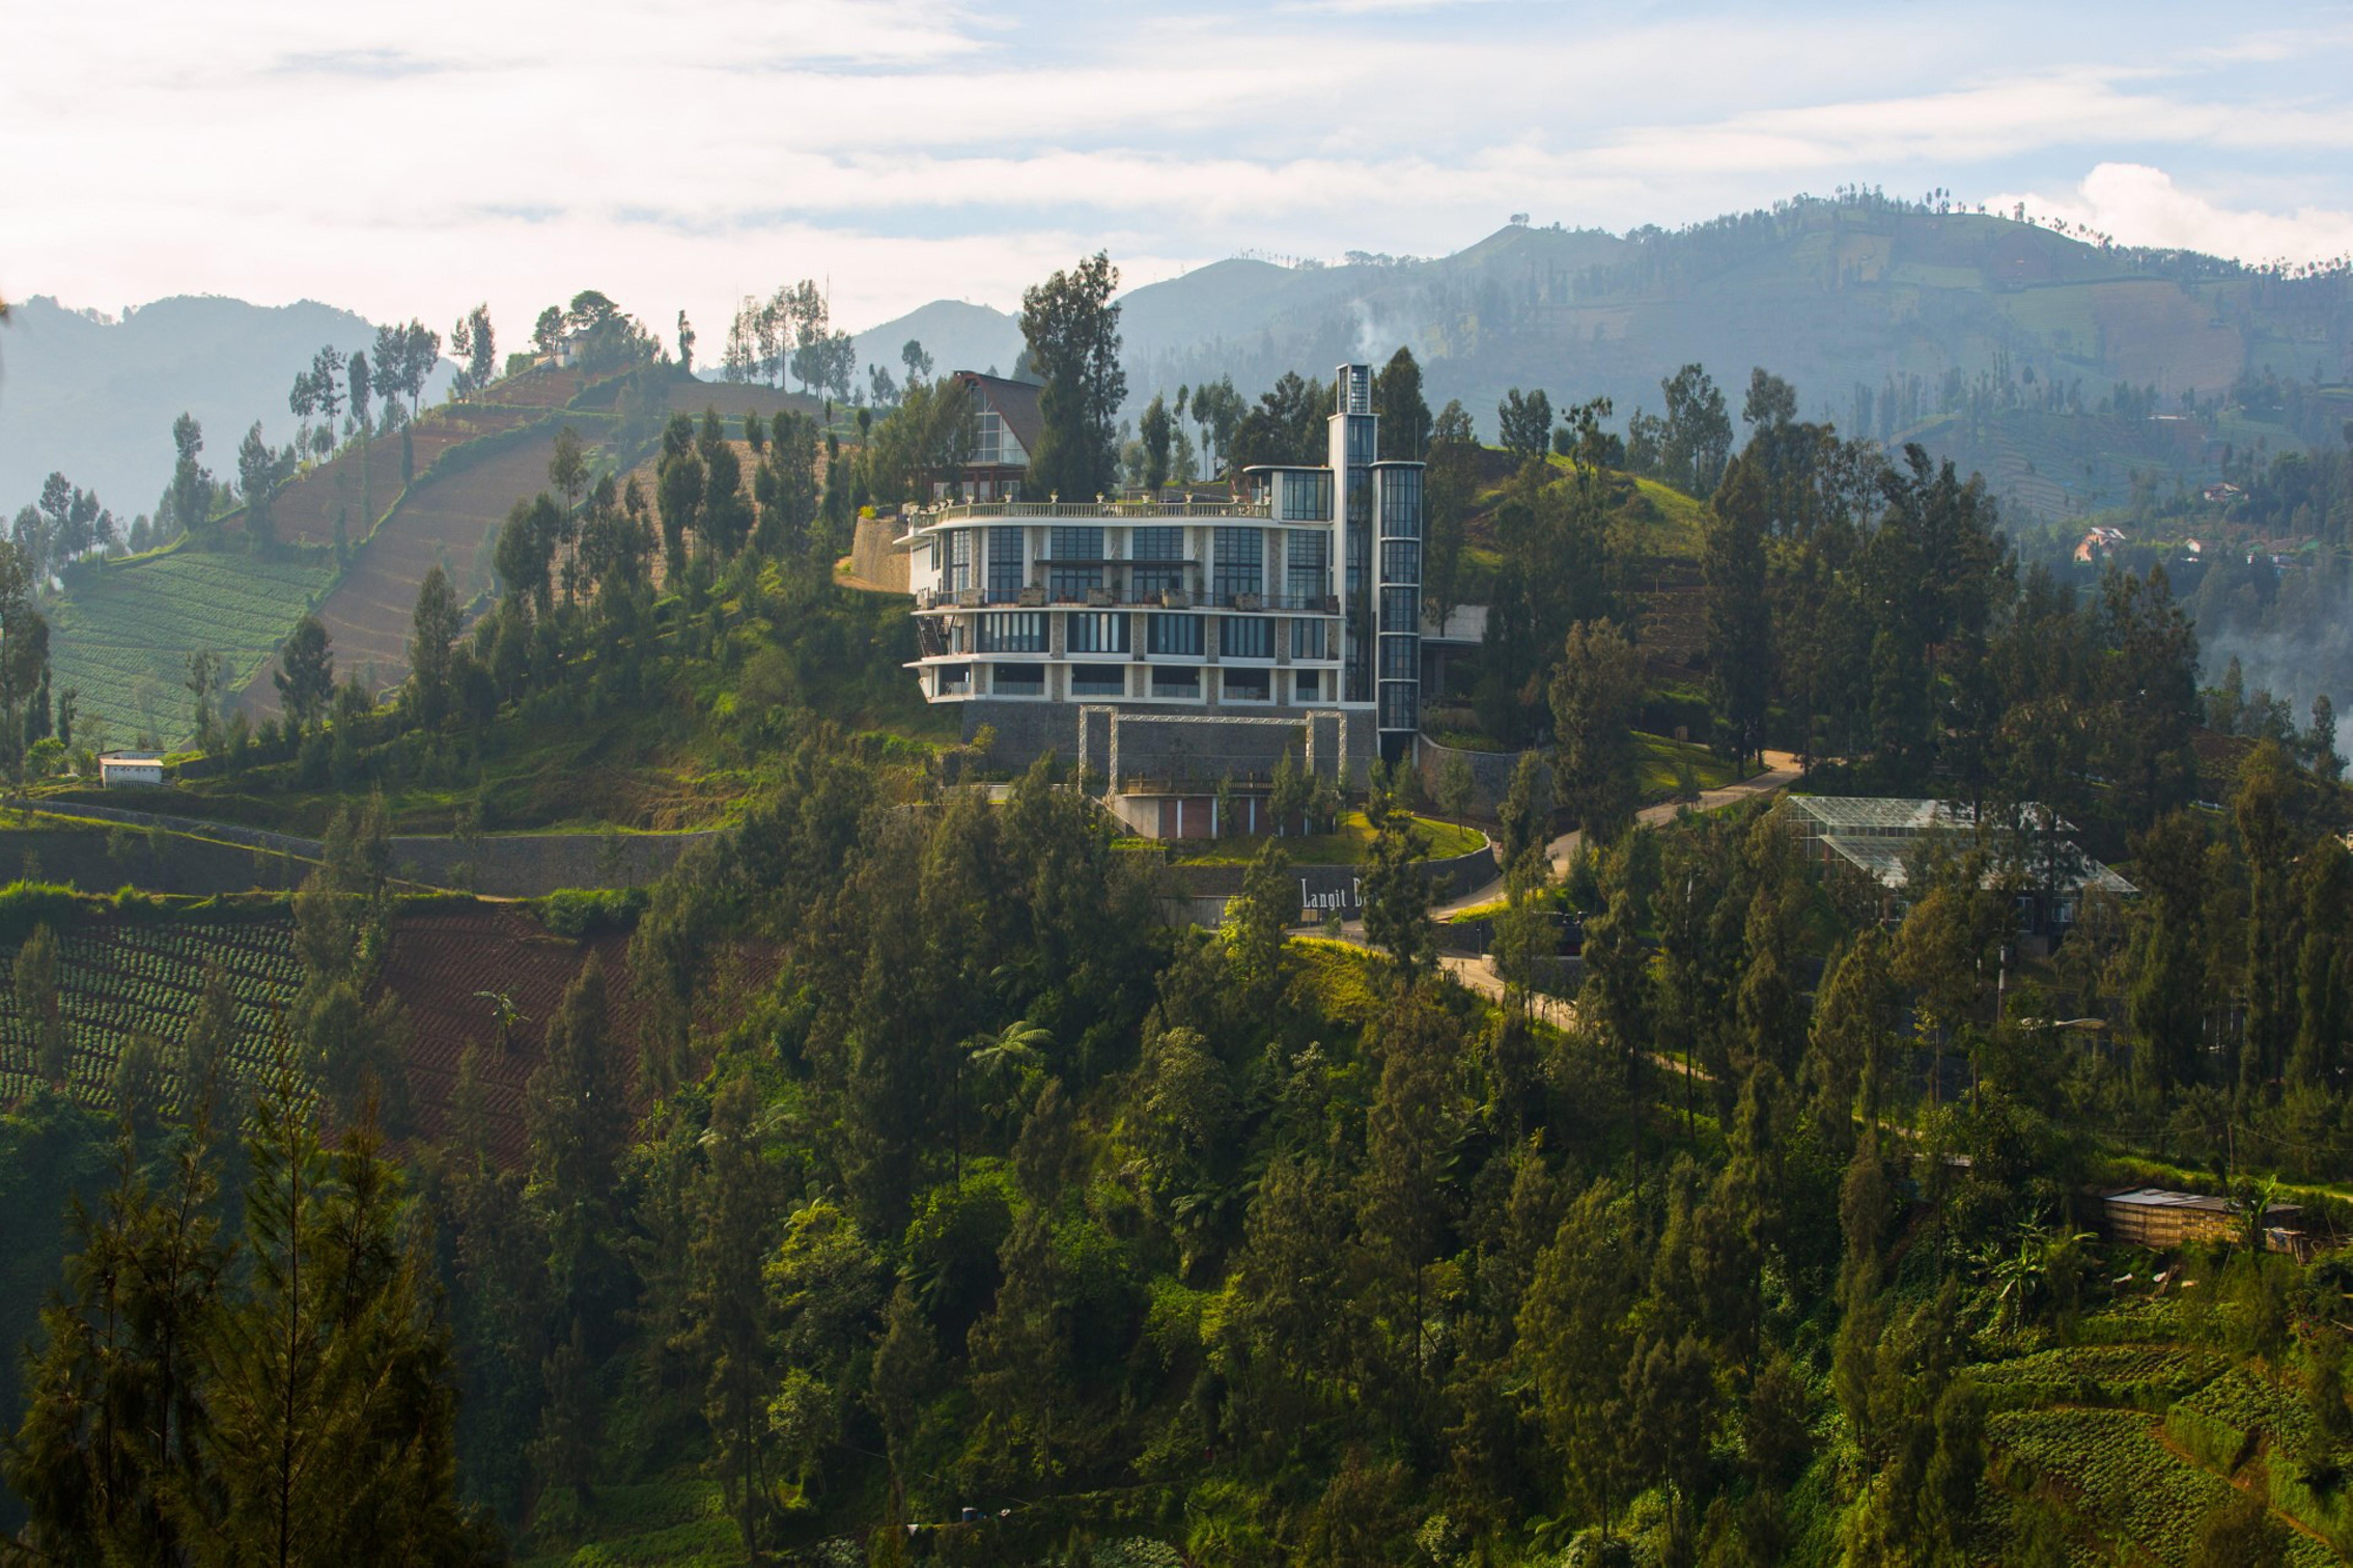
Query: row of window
(1075,556)
(1024,631)
(1111,680)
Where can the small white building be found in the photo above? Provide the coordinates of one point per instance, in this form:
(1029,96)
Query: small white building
(119,770)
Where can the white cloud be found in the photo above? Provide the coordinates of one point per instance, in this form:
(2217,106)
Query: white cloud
(411,163)
(2141,206)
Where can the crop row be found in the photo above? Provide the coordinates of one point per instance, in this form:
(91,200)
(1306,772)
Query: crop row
(2251,1408)
(120,981)
(2120,1476)
(127,633)
(2102,1374)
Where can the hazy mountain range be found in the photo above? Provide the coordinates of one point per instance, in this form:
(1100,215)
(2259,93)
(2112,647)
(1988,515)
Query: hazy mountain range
(1877,311)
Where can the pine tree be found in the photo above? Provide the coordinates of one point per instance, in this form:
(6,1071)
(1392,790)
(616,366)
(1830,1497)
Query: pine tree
(733,1335)
(1397,898)
(110,1460)
(1414,1114)
(37,1003)
(578,1111)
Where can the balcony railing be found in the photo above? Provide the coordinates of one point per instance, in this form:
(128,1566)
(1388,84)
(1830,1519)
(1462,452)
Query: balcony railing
(1116,598)
(1104,510)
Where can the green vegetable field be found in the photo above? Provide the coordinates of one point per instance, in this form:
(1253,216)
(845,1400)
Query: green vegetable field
(122,637)
(118,979)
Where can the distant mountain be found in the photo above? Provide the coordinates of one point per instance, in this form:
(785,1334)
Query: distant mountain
(1891,319)
(958,336)
(95,398)
(1828,295)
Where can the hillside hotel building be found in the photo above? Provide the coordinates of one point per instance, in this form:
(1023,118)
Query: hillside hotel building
(1208,632)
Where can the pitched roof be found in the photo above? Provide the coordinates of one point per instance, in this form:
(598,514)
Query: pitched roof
(1015,402)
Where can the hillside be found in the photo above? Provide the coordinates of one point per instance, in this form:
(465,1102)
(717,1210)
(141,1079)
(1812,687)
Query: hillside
(122,637)
(94,398)
(1828,295)
(448,517)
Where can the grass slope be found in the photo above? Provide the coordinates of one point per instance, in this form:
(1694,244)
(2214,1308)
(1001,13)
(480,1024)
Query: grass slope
(122,637)
(1351,845)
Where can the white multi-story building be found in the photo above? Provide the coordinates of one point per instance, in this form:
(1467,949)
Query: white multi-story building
(1297,598)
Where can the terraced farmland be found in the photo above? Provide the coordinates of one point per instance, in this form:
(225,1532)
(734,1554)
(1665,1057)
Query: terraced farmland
(305,512)
(123,637)
(450,967)
(117,979)
(446,518)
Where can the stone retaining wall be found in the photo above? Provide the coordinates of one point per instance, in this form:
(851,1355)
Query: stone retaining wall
(1491,773)
(531,864)
(872,557)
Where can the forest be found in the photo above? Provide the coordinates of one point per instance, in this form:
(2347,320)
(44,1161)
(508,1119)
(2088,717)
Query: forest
(990,1218)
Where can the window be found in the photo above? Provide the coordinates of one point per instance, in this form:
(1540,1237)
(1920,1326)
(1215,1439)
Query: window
(1159,554)
(1307,566)
(1238,565)
(1098,681)
(1176,682)
(959,575)
(1308,640)
(1359,554)
(1096,633)
(955,679)
(1360,495)
(1402,503)
(1306,497)
(1070,584)
(1015,631)
(1173,634)
(1075,543)
(1018,680)
(990,446)
(1400,560)
(1148,583)
(1247,685)
(1245,636)
(1400,658)
(1401,609)
(1004,562)
(1397,705)
(1306,686)
(1360,440)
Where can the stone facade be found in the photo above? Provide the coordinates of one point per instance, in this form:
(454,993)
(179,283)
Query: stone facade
(1179,750)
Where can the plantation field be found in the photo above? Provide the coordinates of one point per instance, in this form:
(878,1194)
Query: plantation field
(2112,1471)
(123,636)
(2147,1376)
(450,965)
(121,978)
(446,518)
(306,509)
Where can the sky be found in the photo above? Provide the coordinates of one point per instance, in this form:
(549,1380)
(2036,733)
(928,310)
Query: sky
(412,159)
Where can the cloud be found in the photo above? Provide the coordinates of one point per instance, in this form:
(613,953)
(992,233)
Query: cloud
(2141,206)
(412,162)
(381,64)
